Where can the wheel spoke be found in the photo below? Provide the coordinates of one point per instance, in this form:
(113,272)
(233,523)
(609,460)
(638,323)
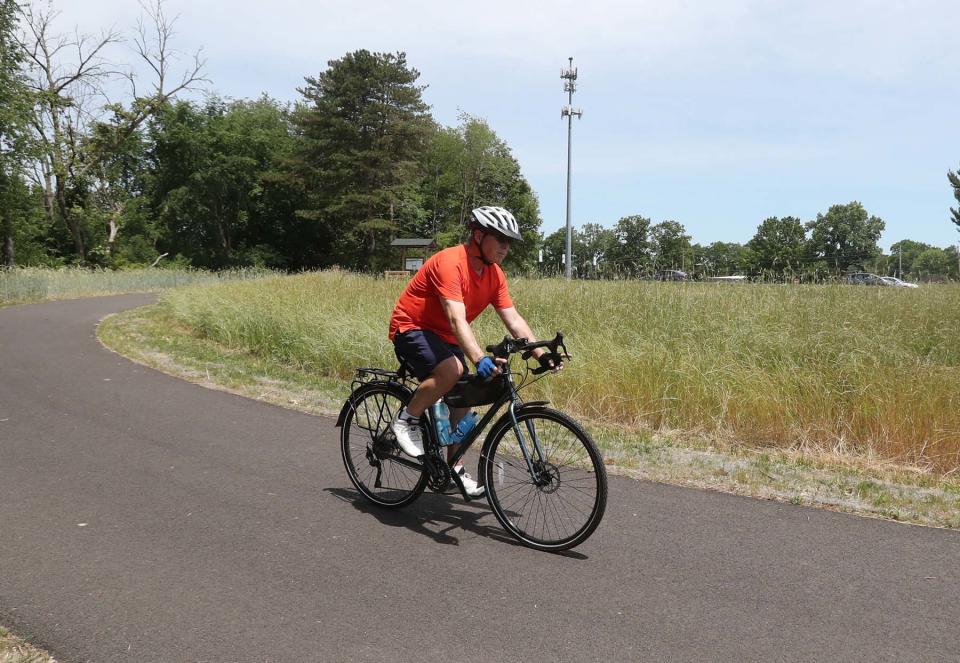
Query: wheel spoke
(564,504)
(366,441)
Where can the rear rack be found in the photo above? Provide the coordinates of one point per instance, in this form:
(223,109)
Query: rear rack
(368,374)
(365,375)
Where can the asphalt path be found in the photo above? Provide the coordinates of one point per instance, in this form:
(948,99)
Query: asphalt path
(143,518)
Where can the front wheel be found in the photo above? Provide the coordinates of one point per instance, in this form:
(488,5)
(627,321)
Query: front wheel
(374,462)
(560,503)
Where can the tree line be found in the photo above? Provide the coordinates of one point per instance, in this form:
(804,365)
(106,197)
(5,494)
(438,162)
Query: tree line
(838,241)
(154,178)
(328,180)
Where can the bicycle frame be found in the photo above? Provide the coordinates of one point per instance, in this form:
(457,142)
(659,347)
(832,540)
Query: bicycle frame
(513,401)
(555,506)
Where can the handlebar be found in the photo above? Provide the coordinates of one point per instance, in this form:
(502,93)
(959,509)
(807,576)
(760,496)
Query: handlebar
(506,347)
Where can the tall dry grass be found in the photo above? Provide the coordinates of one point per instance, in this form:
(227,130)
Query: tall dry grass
(862,370)
(20,285)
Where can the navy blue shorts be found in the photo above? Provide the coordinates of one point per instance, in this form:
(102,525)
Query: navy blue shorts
(421,350)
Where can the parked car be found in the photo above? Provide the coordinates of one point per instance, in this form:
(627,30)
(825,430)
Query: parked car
(670,275)
(897,283)
(865,278)
(738,278)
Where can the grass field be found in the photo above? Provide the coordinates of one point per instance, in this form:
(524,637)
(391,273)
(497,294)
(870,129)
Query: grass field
(857,371)
(22,285)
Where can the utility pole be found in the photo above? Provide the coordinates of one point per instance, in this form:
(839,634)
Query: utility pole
(570,76)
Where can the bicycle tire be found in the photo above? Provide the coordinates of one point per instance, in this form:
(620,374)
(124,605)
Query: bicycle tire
(367,445)
(573,500)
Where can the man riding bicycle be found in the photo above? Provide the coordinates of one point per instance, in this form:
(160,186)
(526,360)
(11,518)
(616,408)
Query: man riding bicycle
(430,325)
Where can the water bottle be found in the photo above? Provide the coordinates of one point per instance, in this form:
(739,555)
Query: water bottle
(441,418)
(467,424)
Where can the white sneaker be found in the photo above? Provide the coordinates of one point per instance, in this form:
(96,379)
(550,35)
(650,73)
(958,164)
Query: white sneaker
(469,485)
(408,436)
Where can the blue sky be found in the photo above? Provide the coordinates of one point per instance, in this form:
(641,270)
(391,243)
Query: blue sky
(715,114)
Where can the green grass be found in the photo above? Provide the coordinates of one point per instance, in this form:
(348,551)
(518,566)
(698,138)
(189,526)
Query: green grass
(865,372)
(295,341)
(22,285)
(151,336)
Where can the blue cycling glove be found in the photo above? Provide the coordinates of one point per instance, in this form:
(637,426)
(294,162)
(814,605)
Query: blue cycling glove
(486,367)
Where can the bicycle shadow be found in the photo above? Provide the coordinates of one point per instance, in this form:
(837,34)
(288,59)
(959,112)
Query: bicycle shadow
(446,514)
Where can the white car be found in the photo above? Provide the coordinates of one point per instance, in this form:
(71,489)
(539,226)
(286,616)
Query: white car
(894,281)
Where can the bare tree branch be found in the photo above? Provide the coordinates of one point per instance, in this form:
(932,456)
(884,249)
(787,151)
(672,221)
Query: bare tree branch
(69,74)
(42,49)
(158,55)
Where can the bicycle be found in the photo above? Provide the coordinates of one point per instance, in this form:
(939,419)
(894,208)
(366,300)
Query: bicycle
(546,484)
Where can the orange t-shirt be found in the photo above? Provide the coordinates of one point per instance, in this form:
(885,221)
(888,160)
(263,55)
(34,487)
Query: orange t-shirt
(447,274)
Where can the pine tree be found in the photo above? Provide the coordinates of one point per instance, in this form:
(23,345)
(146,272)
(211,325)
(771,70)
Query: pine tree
(363,129)
(955,182)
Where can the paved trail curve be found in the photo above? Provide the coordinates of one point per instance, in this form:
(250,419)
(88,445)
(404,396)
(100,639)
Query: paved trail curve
(143,518)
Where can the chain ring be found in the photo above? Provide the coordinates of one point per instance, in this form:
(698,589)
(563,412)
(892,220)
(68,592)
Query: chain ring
(438,473)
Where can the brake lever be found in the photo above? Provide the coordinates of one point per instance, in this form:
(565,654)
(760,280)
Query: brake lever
(501,349)
(557,353)
(557,359)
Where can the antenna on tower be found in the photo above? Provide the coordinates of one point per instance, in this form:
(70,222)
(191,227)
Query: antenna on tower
(569,75)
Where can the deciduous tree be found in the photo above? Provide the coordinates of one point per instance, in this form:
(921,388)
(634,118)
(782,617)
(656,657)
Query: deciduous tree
(724,259)
(671,245)
(845,236)
(69,75)
(554,252)
(779,244)
(14,108)
(598,243)
(468,166)
(214,185)
(903,255)
(932,262)
(630,254)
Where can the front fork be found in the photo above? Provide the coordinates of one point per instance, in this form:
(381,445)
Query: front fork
(524,448)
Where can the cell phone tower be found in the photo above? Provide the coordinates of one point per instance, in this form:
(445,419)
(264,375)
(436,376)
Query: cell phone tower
(570,86)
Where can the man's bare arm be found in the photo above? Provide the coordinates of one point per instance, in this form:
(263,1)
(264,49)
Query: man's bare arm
(457,316)
(517,326)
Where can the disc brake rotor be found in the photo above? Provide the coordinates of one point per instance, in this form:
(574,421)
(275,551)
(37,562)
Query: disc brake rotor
(548,476)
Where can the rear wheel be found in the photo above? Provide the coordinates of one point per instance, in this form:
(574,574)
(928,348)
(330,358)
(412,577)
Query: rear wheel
(562,502)
(374,462)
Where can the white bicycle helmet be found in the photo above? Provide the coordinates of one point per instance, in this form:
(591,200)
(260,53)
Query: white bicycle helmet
(496,219)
